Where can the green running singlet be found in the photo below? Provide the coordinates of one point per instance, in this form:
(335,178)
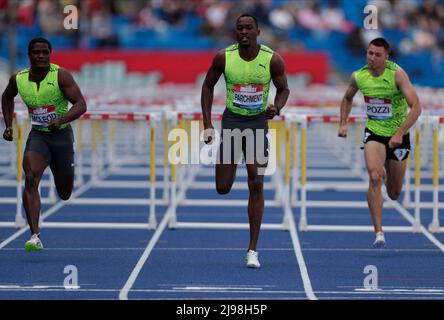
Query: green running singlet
(47,102)
(248,82)
(385,104)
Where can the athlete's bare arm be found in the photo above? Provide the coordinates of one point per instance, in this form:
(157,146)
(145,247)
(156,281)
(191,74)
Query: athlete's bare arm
(8,106)
(346,105)
(279,78)
(409,92)
(72,92)
(206,101)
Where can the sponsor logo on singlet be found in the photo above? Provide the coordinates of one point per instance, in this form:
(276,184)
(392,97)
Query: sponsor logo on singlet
(248,96)
(378,108)
(42,116)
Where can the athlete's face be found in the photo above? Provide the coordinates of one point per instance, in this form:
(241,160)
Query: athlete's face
(39,55)
(246,31)
(376,57)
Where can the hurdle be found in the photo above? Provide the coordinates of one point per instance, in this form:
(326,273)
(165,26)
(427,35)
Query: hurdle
(19,127)
(282,197)
(304,121)
(152,119)
(434,226)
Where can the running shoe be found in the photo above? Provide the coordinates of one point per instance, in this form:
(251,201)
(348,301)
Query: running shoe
(252,260)
(34,243)
(379,240)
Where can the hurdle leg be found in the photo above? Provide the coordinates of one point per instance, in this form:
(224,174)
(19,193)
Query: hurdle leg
(434,226)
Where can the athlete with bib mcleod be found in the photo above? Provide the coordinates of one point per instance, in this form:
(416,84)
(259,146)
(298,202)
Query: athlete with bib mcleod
(387,91)
(248,68)
(46,89)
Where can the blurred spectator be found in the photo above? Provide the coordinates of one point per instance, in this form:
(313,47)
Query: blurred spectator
(26,13)
(101,28)
(411,26)
(50,16)
(309,17)
(215,16)
(423,37)
(334,18)
(147,18)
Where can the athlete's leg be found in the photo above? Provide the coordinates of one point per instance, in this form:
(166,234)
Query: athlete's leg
(255,202)
(375,155)
(225,175)
(229,153)
(64,185)
(34,165)
(62,162)
(395,176)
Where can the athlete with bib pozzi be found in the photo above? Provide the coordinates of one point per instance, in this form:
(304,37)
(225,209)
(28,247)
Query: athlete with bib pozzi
(387,92)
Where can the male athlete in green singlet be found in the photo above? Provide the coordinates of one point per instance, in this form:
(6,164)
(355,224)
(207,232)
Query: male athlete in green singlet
(248,69)
(45,88)
(387,92)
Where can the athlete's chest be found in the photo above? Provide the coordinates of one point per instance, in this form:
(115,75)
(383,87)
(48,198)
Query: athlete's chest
(248,72)
(34,94)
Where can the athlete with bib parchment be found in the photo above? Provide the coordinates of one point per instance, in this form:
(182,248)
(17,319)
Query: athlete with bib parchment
(387,92)
(248,68)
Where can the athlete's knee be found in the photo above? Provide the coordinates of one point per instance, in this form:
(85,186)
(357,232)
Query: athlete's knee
(375,177)
(223,187)
(393,194)
(64,194)
(31,179)
(256,184)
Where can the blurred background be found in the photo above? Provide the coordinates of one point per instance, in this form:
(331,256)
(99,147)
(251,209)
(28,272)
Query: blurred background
(171,42)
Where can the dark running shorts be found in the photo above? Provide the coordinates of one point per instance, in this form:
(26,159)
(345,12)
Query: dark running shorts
(250,139)
(56,147)
(400,153)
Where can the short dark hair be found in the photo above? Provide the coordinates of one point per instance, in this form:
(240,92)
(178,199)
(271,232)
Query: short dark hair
(380,42)
(248,16)
(38,40)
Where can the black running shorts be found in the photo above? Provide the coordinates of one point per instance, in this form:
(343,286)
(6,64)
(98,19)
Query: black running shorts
(56,147)
(247,135)
(400,153)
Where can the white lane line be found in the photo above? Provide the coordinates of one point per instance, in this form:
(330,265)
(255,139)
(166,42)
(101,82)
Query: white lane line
(123,294)
(238,249)
(47,213)
(409,217)
(417,290)
(300,258)
(424,230)
(217,289)
(256,293)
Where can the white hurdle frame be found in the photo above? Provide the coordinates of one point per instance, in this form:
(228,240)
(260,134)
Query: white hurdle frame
(301,174)
(153,118)
(20,125)
(281,201)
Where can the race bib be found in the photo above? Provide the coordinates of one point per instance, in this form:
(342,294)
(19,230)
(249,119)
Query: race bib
(42,116)
(248,96)
(378,109)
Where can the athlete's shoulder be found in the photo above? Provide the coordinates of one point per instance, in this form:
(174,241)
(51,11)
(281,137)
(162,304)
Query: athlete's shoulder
(393,66)
(232,47)
(54,67)
(23,72)
(364,68)
(266,49)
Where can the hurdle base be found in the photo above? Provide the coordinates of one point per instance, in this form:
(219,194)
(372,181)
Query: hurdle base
(351,228)
(228,225)
(97,225)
